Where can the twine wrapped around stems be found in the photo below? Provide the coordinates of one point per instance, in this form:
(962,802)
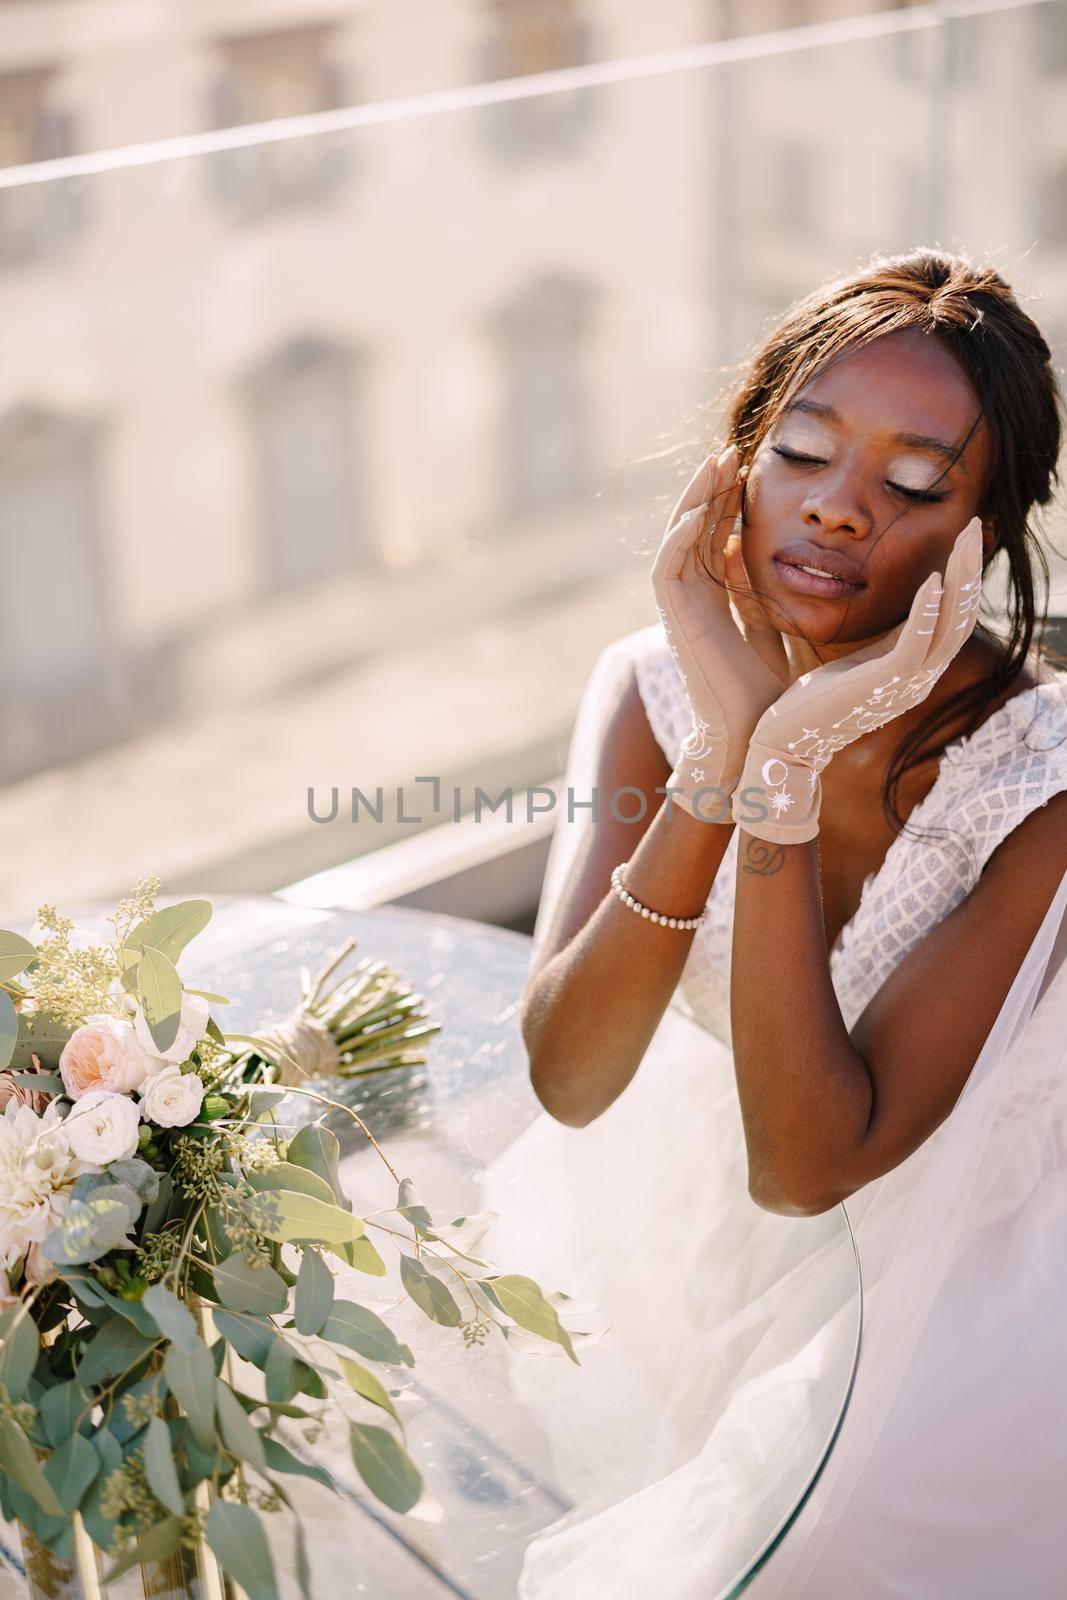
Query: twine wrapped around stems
(368,1021)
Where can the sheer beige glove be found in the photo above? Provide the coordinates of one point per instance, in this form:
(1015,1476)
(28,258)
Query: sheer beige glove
(728,678)
(830,707)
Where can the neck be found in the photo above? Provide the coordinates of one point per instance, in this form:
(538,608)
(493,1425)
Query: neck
(802,658)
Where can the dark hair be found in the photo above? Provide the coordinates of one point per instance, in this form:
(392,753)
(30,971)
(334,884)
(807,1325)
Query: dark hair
(972,311)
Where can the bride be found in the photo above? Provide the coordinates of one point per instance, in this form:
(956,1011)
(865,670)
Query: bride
(830,828)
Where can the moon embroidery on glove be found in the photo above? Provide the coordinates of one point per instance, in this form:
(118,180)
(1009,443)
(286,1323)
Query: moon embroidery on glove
(765,772)
(696,743)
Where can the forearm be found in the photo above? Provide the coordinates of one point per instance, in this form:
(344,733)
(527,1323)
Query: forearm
(805,1092)
(590,1014)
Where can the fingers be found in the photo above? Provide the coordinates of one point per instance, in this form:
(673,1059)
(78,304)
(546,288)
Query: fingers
(717,511)
(700,488)
(962,594)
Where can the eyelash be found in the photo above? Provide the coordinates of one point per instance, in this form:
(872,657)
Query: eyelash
(921,495)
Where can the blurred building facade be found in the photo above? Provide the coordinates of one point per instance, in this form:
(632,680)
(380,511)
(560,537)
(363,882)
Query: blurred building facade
(268,413)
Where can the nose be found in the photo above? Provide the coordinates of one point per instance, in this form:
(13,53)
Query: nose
(836,507)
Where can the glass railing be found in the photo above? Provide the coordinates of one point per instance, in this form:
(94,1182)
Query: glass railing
(332,451)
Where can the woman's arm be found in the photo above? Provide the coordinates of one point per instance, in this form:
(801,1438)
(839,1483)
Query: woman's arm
(604,978)
(825,1111)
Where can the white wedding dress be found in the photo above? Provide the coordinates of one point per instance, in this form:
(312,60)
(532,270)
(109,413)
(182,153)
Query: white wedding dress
(949,1475)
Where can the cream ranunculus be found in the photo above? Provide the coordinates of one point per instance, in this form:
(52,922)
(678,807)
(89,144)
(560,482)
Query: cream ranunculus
(172,1099)
(103,1127)
(103,1054)
(195,1015)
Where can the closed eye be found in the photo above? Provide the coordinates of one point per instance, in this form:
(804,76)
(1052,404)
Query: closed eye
(923,495)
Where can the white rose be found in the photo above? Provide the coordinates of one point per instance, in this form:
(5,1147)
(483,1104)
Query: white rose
(195,1014)
(102,1127)
(105,1053)
(172,1098)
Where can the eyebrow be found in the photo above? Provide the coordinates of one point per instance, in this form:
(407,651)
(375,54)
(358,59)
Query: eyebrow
(919,441)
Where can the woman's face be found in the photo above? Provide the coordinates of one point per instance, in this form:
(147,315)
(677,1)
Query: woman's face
(846,503)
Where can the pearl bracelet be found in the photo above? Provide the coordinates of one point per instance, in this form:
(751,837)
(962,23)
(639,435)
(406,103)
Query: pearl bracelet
(653,916)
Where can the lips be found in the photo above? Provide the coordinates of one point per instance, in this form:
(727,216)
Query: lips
(804,554)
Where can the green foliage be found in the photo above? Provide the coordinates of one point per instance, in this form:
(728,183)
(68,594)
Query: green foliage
(195,1305)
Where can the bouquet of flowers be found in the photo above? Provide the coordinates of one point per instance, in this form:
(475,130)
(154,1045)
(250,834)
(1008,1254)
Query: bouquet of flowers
(165,1253)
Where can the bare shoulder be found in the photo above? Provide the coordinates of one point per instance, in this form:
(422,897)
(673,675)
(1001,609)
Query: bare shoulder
(1029,862)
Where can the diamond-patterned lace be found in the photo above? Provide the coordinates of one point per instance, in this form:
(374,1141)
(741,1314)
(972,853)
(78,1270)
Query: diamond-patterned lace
(986,785)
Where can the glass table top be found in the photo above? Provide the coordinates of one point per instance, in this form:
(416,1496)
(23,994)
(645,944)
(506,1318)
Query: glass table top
(507,1442)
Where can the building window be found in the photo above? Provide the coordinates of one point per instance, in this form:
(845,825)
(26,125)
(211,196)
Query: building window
(57,642)
(546,445)
(307,415)
(37,218)
(530,36)
(266,77)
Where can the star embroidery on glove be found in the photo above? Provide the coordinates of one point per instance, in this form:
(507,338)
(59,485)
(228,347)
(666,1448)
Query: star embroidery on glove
(698,774)
(780,801)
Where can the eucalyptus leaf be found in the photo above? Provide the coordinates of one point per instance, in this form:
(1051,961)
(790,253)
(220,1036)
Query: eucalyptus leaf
(362,1255)
(101,1529)
(19,1347)
(159,989)
(94,1226)
(22,1507)
(138,1176)
(239,1435)
(409,1205)
(159,1467)
(152,1548)
(251,1336)
(20,1463)
(40,1082)
(433,1298)
(174,1320)
(522,1300)
(91,1291)
(287,1175)
(317,1149)
(288,1216)
(281,1459)
(61,1407)
(9,1028)
(243,1285)
(16,953)
(170,929)
(235,1533)
(207,994)
(385,1466)
(363,1331)
(190,1376)
(314,1293)
(41,1035)
(156,1214)
(369,1385)
(70,1470)
(113,1348)
(281,1371)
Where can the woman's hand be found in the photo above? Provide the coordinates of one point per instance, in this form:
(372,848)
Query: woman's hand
(830,707)
(727,679)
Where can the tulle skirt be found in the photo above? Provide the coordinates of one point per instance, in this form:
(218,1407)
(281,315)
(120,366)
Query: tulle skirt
(694,1426)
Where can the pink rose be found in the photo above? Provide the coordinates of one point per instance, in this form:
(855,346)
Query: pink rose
(104,1054)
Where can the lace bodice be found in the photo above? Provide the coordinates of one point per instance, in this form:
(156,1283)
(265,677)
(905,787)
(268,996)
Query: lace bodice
(986,785)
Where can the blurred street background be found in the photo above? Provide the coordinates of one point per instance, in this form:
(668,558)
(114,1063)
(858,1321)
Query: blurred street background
(354,353)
